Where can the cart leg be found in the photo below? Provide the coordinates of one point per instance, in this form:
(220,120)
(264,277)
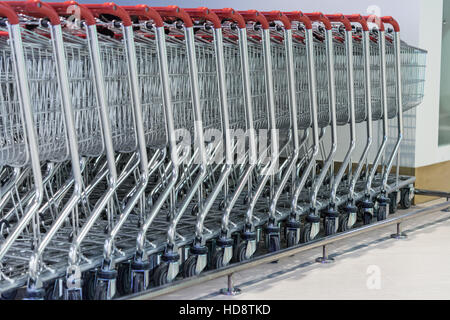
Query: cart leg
(230,291)
(324,259)
(399,235)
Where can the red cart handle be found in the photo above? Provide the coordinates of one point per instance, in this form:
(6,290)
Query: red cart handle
(36,9)
(8,12)
(144,11)
(375,19)
(299,17)
(357,18)
(339,17)
(112,9)
(320,17)
(204,13)
(390,20)
(278,16)
(175,12)
(230,14)
(70,7)
(253,15)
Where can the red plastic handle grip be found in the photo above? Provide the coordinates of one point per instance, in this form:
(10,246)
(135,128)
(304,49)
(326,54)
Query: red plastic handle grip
(204,13)
(299,17)
(230,14)
(253,15)
(278,16)
(357,18)
(144,11)
(36,9)
(175,12)
(390,20)
(112,9)
(339,17)
(377,20)
(8,12)
(320,17)
(70,7)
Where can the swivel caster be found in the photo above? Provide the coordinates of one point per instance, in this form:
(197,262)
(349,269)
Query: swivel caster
(124,279)
(160,275)
(331,225)
(406,198)
(105,288)
(393,204)
(292,238)
(382,213)
(9,295)
(367,217)
(305,236)
(89,281)
(343,223)
(223,254)
(190,266)
(274,243)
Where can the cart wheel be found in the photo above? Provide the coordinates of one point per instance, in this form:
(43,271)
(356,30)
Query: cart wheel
(101,290)
(124,279)
(9,295)
(89,286)
(343,224)
(160,276)
(274,243)
(291,239)
(138,282)
(367,218)
(189,266)
(217,261)
(382,213)
(50,291)
(305,235)
(240,252)
(330,227)
(406,199)
(393,205)
(74,295)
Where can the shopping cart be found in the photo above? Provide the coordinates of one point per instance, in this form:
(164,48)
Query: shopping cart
(128,153)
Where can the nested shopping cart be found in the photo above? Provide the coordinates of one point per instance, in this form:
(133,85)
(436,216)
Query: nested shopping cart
(143,145)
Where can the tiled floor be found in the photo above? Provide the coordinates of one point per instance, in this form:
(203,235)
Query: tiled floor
(370,266)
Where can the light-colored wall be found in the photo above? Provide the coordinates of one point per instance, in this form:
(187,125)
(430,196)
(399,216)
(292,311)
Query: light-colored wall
(427,123)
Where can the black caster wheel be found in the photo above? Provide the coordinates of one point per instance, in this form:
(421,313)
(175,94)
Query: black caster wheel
(138,282)
(367,218)
(382,213)
(9,295)
(74,295)
(160,275)
(291,239)
(89,286)
(330,227)
(51,291)
(406,199)
(274,243)
(101,290)
(217,260)
(240,252)
(124,279)
(305,235)
(343,223)
(393,205)
(189,266)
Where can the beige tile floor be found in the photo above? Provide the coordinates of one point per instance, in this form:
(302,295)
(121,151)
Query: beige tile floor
(370,267)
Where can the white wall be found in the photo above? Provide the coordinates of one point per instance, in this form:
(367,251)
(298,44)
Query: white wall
(427,124)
